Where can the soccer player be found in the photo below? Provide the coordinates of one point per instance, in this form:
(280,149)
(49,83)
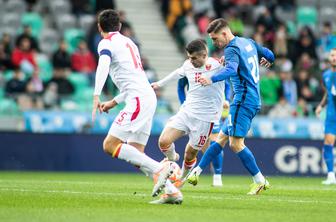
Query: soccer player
(242,58)
(119,57)
(217,162)
(201,109)
(329,99)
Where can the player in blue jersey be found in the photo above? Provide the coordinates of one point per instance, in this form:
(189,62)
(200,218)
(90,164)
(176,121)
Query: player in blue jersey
(242,57)
(217,162)
(329,99)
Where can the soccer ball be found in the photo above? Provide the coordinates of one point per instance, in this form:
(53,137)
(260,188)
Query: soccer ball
(177,172)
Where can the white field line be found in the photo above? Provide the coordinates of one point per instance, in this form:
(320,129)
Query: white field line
(268,199)
(316,187)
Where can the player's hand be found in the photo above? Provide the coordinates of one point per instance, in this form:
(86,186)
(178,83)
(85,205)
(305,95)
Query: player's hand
(222,60)
(204,81)
(318,110)
(106,106)
(226,104)
(155,85)
(264,62)
(96,105)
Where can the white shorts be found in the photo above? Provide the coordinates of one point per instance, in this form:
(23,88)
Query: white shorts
(134,122)
(197,130)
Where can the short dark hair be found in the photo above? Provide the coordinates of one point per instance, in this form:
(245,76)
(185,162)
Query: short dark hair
(217,25)
(196,45)
(109,20)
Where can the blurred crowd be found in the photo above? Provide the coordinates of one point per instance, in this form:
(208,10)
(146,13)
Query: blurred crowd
(48,49)
(38,73)
(299,32)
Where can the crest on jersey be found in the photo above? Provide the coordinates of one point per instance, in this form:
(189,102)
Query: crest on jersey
(208,67)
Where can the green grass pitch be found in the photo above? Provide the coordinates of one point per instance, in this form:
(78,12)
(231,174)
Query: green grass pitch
(124,197)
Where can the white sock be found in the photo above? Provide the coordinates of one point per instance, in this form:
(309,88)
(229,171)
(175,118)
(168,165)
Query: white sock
(170,152)
(331,176)
(259,178)
(198,170)
(186,168)
(134,156)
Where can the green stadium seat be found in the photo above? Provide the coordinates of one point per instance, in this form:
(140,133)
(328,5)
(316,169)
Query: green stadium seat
(2,92)
(306,16)
(8,106)
(79,80)
(72,38)
(34,20)
(45,66)
(84,94)
(8,75)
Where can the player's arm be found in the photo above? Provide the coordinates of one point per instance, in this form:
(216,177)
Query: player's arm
(322,103)
(230,69)
(102,72)
(266,55)
(181,85)
(177,74)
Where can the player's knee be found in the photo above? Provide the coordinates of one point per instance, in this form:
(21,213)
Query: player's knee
(164,142)
(236,146)
(108,146)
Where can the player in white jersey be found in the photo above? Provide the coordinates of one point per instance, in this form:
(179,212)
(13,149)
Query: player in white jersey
(119,57)
(201,109)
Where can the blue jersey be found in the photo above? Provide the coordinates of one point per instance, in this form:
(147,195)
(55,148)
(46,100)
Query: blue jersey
(242,67)
(329,81)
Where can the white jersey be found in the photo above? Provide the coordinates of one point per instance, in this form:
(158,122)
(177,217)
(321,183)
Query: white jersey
(125,67)
(202,102)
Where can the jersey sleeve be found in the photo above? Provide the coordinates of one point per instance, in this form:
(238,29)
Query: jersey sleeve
(175,75)
(264,52)
(231,65)
(104,49)
(181,84)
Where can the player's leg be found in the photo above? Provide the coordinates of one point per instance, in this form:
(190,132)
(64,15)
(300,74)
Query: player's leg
(217,164)
(190,159)
(211,153)
(166,141)
(238,129)
(328,156)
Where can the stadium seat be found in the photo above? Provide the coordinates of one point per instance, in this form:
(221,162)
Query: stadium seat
(49,39)
(284,15)
(46,69)
(72,37)
(59,7)
(312,3)
(17,7)
(328,3)
(327,14)
(86,21)
(306,16)
(11,21)
(79,80)
(8,106)
(34,20)
(65,21)
(8,75)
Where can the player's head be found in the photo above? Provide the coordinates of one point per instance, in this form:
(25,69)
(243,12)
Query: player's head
(109,21)
(220,32)
(332,57)
(197,52)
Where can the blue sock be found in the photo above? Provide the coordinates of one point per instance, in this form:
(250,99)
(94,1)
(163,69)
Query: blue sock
(217,162)
(248,160)
(328,157)
(210,154)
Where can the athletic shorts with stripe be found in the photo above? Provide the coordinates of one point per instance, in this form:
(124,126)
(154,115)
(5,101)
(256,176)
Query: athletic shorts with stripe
(239,121)
(134,122)
(197,130)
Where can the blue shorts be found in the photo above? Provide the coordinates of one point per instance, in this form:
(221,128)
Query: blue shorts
(330,126)
(239,120)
